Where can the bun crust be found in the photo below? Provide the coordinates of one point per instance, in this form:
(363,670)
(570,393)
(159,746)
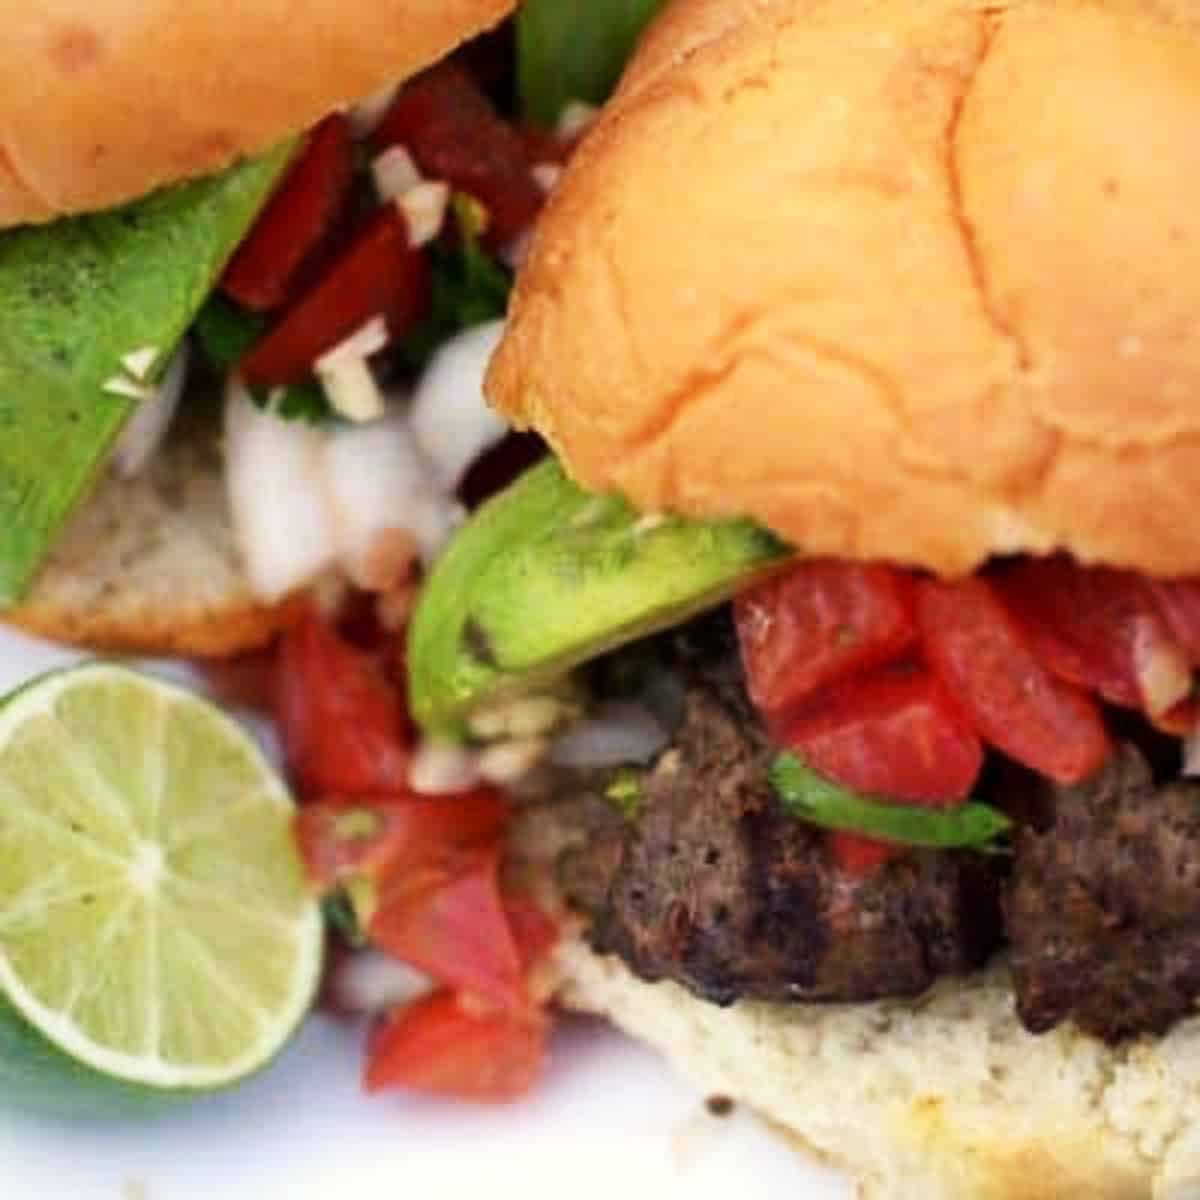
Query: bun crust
(150,566)
(104,100)
(945,1098)
(913,280)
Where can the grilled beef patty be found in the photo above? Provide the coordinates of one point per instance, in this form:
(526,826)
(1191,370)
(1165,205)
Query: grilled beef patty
(713,886)
(1104,909)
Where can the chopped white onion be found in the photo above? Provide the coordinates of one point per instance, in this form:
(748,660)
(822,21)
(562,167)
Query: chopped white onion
(146,428)
(424,207)
(523,716)
(370,982)
(1164,674)
(613,735)
(394,173)
(352,391)
(450,417)
(439,768)
(575,118)
(365,116)
(505,762)
(346,377)
(139,363)
(376,480)
(275,478)
(546,176)
(130,389)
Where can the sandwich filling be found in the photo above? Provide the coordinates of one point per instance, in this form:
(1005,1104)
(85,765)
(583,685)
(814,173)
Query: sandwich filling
(857,778)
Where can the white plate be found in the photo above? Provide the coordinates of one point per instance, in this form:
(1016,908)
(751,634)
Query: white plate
(609,1122)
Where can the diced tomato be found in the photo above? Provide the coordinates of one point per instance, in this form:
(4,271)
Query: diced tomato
(295,221)
(380,274)
(1179,602)
(342,724)
(1099,628)
(860,855)
(443,1045)
(818,622)
(453,133)
(449,921)
(893,733)
(542,146)
(367,835)
(978,651)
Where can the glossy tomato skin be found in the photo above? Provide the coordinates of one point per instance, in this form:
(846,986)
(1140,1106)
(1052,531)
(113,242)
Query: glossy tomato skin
(453,133)
(445,1045)
(343,727)
(1179,602)
(380,273)
(295,221)
(981,655)
(818,622)
(1088,625)
(343,836)
(449,921)
(894,733)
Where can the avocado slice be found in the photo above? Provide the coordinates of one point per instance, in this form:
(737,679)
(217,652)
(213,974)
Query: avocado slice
(78,296)
(546,576)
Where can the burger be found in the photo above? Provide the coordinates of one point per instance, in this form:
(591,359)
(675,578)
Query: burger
(253,215)
(845,657)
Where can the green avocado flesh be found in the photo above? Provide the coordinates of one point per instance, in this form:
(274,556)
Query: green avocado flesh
(75,298)
(546,576)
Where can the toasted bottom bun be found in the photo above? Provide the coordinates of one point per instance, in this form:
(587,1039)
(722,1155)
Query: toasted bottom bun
(942,1098)
(149,565)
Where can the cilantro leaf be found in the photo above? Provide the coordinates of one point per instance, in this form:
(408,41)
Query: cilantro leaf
(225,332)
(468,288)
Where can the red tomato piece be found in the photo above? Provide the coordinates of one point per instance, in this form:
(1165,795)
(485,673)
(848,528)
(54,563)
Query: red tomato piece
(544,146)
(859,855)
(454,134)
(380,274)
(342,724)
(295,221)
(978,651)
(1179,602)
(450,922)
(442,1045)
(1099,628)
(817,622)
(892,733)
(369,835)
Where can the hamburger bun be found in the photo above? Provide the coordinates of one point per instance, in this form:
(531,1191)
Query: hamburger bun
(910,280)
(943,1098)
(940,1097)
(106,100)
(150,565)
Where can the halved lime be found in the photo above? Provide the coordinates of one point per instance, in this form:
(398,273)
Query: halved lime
(156,936)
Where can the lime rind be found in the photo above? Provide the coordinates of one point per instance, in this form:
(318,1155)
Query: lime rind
(197,934)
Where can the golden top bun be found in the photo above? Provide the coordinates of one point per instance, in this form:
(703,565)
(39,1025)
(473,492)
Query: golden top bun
(915,280)
(104,100)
